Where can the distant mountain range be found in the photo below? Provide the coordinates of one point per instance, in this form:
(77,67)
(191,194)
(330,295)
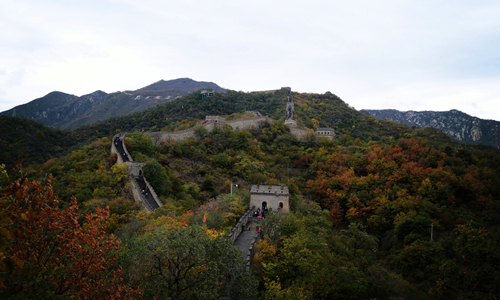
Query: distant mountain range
(458,125)
(61,110)
(65,111)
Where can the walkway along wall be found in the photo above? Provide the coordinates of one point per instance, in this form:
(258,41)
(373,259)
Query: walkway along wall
(121,137)
(210,123)
(235,233)
(249,252)
(135,172)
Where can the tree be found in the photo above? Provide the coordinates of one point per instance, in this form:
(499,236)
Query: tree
(477,271)
(188,263)
(157,177)
(141,143)
(201,132)
(54,253)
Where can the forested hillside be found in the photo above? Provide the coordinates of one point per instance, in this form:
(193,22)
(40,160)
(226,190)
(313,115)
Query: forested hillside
(32,142)
(384,211)
(458,125)
(61,110)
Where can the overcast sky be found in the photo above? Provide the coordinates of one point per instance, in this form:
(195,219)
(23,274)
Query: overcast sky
(407,55)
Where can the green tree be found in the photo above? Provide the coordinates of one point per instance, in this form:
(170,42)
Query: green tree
(139,142)
(157,177)
(188,263)
(476,273)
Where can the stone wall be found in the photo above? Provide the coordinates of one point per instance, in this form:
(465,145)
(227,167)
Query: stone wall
(217,120)
(298,133)
(291,123)
(119,159)
(134,170)
(275,196)
(247,123)
(210,124)
(325,132)
(153,193)
(251,253)
(164,136)
(235,233)
(138,196)
(272,91)
(246,219)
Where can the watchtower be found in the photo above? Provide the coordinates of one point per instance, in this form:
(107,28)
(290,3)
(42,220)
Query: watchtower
(207,94)
(217,120)
(325,132)
(273,197)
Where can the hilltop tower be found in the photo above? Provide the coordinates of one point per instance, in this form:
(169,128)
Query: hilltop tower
(274,197)
(207,94)
(289,111)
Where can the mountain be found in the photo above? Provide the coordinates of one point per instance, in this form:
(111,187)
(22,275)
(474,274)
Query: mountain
(181,84)
(32,142)
(61,110)
(458,125)
(311,111)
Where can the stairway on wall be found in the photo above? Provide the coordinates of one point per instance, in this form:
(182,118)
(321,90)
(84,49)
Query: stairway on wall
(139,182)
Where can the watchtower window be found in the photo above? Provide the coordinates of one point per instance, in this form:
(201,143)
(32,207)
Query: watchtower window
(281,205)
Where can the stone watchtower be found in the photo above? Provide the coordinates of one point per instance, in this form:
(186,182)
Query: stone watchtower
(207,94)
(325,132)
(273,197)
(290,108)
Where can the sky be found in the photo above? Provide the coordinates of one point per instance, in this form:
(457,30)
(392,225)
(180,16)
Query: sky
(405,55)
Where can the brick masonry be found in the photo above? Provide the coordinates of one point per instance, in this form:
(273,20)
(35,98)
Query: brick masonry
(275,197)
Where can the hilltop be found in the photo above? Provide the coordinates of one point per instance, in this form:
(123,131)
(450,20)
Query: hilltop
(460,126)
(384,210)
(311,111)
(65,111)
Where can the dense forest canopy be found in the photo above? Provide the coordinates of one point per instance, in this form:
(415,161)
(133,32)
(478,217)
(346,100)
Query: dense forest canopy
(383,211)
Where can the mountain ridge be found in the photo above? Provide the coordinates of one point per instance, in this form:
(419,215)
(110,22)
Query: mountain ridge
(457,124)
(66,111)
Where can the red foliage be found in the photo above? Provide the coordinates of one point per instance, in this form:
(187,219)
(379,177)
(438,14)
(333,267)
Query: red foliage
(304,161)
(336,213)
(58,251)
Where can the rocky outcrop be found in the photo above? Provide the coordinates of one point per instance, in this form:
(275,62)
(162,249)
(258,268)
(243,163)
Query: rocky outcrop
(458,125)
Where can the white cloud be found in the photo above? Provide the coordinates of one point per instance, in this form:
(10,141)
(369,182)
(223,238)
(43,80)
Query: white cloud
(418,55)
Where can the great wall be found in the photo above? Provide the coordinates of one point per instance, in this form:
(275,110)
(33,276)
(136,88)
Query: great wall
(276,198)
(212,122)
(243,237)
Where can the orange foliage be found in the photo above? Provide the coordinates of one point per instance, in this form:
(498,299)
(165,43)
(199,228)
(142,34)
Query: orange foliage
(64,252)
(335,215)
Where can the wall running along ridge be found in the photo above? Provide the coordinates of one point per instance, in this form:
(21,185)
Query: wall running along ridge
(134,171)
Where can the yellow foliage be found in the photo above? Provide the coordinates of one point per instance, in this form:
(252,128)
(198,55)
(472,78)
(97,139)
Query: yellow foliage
(120,171)
(213,233)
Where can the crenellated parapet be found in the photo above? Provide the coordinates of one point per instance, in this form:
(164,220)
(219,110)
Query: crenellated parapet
(139,185)
(273,197)
(325,132)
(212,122)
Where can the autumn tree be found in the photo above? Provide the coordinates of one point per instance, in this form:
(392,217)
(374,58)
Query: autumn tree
(187,263)
(53,253)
